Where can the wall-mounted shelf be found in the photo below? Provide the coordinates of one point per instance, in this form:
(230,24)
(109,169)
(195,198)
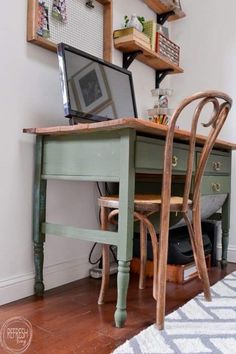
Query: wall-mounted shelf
(148,56)
(133,49)
(160,8)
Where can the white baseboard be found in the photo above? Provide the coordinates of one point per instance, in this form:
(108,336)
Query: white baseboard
(21,286)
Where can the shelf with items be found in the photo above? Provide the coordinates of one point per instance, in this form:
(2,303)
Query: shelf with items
(166,7)
(152,46)
(147,56)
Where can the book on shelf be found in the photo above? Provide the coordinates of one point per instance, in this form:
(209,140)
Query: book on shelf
(131,31)
(131,37)
(150,28)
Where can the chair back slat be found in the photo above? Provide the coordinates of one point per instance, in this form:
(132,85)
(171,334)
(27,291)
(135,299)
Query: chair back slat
(221,103)
(208,146)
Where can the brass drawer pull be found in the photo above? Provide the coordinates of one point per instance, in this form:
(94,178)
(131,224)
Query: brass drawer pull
(174,161)
(217,165)
(216,187)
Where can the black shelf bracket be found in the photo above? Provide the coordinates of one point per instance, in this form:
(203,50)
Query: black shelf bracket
(161,18)
(160,75)
(128,58)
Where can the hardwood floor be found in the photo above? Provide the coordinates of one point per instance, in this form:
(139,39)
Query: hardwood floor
(68,320)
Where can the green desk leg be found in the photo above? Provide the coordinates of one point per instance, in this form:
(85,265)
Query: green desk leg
(225,230)
(122,286)
(38,217)
(125,225)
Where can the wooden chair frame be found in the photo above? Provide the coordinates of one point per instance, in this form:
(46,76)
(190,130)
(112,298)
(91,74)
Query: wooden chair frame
(217,120)
(33,37)
(221,106)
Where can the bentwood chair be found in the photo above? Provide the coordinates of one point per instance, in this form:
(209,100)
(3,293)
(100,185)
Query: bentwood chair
(146,204)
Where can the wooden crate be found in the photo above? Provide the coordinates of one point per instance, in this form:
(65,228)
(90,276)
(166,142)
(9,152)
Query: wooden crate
(167,48)
(179,274)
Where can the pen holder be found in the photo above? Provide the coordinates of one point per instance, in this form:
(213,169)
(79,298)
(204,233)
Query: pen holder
(160,113)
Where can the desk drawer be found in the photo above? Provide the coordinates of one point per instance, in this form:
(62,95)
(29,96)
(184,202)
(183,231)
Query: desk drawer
(215,185)
(150,156)
(179,159)
(217,164)
(92,157)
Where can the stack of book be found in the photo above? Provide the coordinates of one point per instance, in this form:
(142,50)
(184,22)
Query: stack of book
(150,28)
(130,34)
(160,43)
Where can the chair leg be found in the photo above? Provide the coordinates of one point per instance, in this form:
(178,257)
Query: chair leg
(197,227)
(144,222)
(161,279)
(192,239)
(105,259)
(143,255)
(153,235)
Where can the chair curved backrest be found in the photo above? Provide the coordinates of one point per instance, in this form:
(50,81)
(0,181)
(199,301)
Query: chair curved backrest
(221,103)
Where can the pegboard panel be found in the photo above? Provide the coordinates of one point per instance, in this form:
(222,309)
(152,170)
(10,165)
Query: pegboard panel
(86,29)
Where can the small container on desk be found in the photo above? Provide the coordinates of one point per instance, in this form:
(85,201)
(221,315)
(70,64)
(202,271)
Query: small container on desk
(160,113)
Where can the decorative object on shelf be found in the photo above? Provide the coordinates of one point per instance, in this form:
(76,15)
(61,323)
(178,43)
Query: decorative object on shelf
(129,34)
(170,10)
(164,30)
(135,22)
(59,10)
(171,4)
(43,23)
(167,48)
(160,113)
(177,4)
(89,4)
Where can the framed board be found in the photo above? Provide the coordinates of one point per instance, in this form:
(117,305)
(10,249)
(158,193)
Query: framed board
(82,23)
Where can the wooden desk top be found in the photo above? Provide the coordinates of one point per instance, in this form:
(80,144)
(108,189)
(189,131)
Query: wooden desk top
(140,125)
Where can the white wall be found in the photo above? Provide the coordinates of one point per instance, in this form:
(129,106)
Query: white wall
(30,97)
(208,51)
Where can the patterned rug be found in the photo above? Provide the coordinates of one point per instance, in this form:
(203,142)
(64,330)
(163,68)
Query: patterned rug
(197,327)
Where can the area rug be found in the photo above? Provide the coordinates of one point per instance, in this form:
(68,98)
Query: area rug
(197,327)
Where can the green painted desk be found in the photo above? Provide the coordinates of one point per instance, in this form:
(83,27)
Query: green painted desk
(115,151)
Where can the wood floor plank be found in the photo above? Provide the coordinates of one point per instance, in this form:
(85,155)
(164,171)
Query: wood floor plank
(69,321)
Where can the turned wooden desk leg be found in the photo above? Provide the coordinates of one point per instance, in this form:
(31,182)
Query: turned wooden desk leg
(39,207)
(125,223)
(225,230)
(122,287)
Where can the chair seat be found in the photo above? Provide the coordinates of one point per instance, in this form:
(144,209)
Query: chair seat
(143,202)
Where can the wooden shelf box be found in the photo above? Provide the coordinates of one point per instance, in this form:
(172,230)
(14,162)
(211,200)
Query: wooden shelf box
(179,274)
